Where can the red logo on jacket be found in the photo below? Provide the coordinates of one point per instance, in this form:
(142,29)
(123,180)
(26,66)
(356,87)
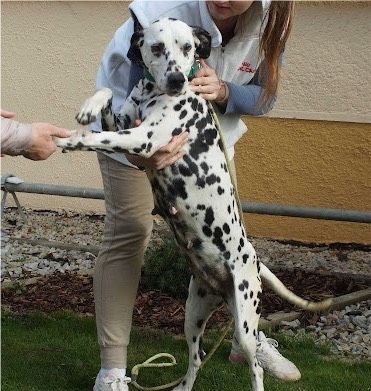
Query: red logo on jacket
(246,67)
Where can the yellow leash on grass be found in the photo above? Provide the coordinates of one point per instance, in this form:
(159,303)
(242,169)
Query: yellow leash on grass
(149,363)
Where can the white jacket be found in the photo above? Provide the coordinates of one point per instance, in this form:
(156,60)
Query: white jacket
(235,63)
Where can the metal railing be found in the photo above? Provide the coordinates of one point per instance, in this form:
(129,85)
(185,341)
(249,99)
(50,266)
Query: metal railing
(247,207)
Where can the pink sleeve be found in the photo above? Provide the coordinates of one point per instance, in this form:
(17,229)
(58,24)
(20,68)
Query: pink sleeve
(15,137)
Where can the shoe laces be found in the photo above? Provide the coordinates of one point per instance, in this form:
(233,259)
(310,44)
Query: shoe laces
(267,343)
(273,344)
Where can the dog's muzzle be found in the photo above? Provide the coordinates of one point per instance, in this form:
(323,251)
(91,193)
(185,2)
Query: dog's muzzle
(175,83)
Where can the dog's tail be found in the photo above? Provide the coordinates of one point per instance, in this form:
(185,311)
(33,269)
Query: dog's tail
(277,286)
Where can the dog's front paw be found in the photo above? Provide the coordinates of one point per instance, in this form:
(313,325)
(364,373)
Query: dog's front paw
(74,142)
(93,106)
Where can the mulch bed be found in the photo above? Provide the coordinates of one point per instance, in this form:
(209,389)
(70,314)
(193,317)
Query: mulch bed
(154,309)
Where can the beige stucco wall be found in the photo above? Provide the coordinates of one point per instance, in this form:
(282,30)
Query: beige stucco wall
(306,163)
(50,53)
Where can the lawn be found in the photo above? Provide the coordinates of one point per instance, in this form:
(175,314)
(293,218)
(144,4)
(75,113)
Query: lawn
(59,352)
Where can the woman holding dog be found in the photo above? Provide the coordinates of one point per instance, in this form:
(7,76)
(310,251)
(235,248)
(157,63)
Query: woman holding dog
(240,77)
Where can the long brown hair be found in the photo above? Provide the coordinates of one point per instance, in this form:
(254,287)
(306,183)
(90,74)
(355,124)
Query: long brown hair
(278,23)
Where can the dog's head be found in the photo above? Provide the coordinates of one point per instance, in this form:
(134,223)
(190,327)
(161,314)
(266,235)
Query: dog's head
(168,49)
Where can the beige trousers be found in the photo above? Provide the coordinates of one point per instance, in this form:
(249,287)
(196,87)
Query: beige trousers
(128,227)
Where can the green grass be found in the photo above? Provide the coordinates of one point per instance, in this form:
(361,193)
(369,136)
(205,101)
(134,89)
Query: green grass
(59,352)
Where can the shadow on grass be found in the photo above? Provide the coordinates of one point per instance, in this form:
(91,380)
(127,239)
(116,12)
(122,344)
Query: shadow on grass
(59,353)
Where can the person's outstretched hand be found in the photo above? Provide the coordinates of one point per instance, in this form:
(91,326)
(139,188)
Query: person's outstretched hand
(42,144)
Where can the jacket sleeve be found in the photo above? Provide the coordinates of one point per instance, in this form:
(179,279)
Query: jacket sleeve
(245,99)
(15,137)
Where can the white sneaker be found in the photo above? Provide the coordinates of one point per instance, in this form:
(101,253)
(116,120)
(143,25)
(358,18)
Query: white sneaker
(112,382)
(270,359)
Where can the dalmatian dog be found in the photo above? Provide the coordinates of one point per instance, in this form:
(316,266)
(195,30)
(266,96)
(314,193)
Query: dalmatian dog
(195,195)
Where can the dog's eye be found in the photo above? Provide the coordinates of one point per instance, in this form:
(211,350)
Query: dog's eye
(187,47)
(157,48)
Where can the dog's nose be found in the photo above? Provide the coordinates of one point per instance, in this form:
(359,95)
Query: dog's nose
(175,81)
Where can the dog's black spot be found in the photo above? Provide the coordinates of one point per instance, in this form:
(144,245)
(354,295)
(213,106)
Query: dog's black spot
(190,123)
(194,104)
(218,233)
(204,167)
(245,258)
(191,165)
(197,147)
(183,114)
(227,255)
(201,124)
(209,216)
(207,231)
(201,207)
(211,179)
(210,135)
(200,182)
(106,141)
(185,171)
(177,131)
(226,228)
(242,243)
(149,134)
(179,189)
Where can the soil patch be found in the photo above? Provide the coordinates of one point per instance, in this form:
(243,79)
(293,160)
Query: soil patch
(71,291)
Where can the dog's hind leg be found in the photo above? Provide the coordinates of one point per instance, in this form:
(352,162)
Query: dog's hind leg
(245,309)
(199,307)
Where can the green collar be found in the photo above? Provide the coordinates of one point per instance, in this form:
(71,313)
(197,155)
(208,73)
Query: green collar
(195,68)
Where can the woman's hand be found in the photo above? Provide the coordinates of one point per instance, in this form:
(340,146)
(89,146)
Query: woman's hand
(209,85)
(165,156)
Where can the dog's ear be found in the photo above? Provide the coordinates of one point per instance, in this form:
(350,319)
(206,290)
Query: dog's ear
(134,54)
(203,42)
